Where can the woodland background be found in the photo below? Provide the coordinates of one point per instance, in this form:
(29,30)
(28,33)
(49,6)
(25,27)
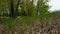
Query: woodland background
(28,17)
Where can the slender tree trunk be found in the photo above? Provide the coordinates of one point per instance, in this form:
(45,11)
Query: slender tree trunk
(17,13)
(12,8)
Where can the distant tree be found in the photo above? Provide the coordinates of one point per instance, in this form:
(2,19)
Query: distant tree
(14,7)
(18,3)
(10,5)
(42,7)
(27,7)
(3,6)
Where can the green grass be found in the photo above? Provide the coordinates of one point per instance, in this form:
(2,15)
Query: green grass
(23,20)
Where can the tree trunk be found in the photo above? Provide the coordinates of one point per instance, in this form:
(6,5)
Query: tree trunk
(11,8)
(17,13)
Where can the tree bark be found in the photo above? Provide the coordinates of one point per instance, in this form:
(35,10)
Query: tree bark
(12,8)
(17,13)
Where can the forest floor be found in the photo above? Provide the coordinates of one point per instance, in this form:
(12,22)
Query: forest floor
(28,25)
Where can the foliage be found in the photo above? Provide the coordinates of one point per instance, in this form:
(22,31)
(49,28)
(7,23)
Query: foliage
(28,16)
(24,7)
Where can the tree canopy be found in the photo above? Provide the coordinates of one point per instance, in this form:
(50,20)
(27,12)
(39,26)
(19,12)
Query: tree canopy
(24,7)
